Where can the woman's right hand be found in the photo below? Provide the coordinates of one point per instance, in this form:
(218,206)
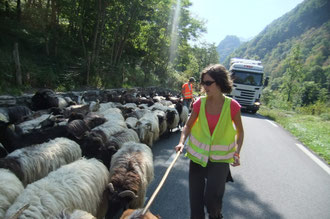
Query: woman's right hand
(179,147)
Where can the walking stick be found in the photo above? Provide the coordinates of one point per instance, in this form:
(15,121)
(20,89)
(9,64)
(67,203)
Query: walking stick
(146,208)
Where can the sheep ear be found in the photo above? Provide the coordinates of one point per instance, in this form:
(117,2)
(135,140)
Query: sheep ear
(127,193)
(111,188)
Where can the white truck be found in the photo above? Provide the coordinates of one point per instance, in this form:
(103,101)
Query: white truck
(248,82)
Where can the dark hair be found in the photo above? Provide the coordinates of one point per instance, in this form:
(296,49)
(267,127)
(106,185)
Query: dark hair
(221,76)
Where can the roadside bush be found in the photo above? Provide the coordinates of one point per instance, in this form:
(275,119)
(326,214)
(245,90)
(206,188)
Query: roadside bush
(314,109)
(325,116)
(267,96)
(309,92)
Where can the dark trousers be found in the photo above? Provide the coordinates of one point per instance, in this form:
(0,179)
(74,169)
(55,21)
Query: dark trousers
(206,188)
(187,103)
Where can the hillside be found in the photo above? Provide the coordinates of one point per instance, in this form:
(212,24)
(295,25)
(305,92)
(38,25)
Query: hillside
(307,27)
(227,46)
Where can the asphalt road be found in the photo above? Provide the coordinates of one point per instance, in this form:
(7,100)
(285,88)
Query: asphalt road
(276,178)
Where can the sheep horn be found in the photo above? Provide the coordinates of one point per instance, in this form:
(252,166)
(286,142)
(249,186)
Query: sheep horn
(110,186)
(20,211)
(127,193)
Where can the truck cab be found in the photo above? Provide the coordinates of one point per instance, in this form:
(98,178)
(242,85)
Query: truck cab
(247,76)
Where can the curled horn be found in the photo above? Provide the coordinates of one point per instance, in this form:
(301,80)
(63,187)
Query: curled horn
(111,188)
(20,211)
(127,193)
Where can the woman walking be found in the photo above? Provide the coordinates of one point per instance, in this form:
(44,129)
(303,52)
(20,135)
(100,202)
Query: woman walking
(213,143)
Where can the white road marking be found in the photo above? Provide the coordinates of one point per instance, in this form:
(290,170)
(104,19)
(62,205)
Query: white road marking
(314,158)
(272,123)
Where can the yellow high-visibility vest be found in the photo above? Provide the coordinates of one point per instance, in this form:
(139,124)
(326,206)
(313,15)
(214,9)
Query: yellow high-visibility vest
(221,146)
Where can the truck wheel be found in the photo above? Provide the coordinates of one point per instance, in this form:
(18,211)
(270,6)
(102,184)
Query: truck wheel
(253,111)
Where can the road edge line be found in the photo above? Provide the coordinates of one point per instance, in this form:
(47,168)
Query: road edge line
(272,123)
(314,158)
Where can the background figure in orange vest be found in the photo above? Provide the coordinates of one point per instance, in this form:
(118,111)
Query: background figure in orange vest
(187,92)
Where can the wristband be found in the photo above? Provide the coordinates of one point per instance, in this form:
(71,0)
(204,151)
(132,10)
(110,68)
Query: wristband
(236,155)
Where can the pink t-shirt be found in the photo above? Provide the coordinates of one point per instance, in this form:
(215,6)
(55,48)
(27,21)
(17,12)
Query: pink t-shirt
(213,119)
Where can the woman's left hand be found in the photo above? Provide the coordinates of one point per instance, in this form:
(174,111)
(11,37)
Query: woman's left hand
(236,161)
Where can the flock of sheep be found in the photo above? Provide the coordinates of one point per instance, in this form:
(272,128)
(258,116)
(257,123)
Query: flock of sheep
(63,157)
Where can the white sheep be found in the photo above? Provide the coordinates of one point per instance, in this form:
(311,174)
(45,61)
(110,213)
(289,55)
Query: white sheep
(123,136)
(78,185)
(131,122)
(115,122)
(158,98)
(106,106)
(162,121)
(10,188)
(138,113)
(148,128)
(158,106)
(166,102)
(131,172)
(36,161)
(76,214)
(172,115)
(35,123)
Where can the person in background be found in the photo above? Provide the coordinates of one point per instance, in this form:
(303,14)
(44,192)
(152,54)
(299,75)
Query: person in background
(214,142)
(187,92)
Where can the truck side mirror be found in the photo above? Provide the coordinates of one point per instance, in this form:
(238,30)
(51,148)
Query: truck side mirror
(266,81)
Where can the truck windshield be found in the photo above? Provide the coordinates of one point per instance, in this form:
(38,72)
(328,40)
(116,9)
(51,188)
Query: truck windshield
(247,78)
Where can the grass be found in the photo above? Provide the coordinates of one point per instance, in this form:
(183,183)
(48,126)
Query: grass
(312,131)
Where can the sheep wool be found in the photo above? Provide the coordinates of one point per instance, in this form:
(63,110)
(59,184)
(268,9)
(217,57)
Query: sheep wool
(140,157)
(38,160)
(76,214)
(10,188)
(78,185)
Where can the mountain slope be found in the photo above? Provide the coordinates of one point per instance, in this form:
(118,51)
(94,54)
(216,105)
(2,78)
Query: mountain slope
(307,25)
(227,46)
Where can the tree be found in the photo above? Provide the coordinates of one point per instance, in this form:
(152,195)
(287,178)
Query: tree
(293,73)
(309,93)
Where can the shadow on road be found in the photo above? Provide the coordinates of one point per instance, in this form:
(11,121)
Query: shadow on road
(172,202)
(240,202)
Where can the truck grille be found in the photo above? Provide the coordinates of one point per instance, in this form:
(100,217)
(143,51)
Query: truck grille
(246,97)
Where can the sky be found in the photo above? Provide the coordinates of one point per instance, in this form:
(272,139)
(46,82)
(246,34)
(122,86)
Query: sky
(242,18)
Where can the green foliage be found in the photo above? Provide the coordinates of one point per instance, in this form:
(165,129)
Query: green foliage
(309,93)
(312,131)
(65,45)
(292,75)
(319,108)
(325,116)
(267,96)
(294,50)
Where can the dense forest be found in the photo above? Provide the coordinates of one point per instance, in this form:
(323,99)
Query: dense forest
(295,52)
(67,45)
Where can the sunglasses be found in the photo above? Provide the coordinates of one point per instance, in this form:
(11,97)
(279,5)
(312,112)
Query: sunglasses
(207,83)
